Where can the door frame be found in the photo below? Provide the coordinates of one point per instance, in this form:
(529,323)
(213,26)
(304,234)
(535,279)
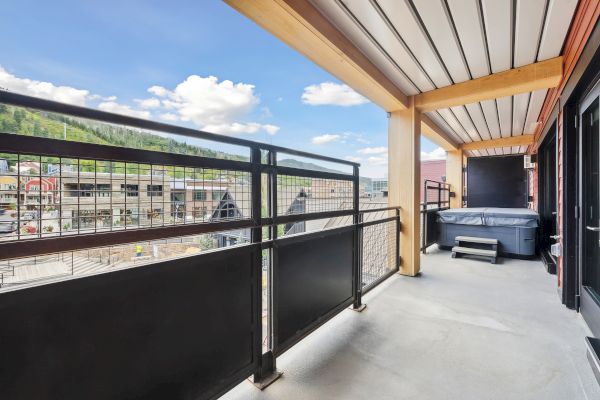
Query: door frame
(551,135)
(589,303)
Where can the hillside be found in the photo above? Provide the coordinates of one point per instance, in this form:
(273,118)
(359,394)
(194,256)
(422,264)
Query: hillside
(51,125)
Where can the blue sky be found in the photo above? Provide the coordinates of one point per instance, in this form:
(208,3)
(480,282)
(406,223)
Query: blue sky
(109,54)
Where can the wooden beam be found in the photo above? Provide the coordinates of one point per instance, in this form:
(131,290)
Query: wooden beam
(522,140)
(540,75)
(454,176)
(404,181)
(434,133)
(300,25)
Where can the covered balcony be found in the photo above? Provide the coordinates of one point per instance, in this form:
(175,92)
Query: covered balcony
(173,263)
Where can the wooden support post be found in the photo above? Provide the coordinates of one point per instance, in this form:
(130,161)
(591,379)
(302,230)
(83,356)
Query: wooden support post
(404,176)
(454,176)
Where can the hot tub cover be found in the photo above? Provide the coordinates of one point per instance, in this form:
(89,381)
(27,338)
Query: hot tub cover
(521,217)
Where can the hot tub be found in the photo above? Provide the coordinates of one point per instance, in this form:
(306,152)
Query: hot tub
(515,228)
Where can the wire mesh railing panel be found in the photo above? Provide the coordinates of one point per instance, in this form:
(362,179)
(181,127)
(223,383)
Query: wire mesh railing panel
(378,252)
(305,195)
(54,196)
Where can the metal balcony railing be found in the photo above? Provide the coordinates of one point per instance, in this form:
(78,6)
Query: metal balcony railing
(231,235)
(436,197)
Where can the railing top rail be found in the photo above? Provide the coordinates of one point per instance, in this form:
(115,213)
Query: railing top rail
(380,209)
(103,116)
(434,181)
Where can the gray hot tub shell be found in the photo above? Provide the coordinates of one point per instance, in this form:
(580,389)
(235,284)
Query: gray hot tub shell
(515,228)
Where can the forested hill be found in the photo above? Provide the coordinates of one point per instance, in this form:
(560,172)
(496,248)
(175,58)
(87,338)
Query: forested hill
(50,125)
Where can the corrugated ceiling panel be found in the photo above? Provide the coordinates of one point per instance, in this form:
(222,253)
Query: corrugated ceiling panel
(441,122)
(497,16)
(505,115)
(356,35)
(479,120)
(560,13)
(454,124)
(520,104)
(535,106)
(405,23)
(435,19)
(373,22)
(528,26)
(470,31)
(463,117)
(491,116)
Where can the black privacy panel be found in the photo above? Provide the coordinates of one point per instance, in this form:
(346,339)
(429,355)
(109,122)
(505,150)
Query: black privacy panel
(313,276)
(497,181)
(181,329)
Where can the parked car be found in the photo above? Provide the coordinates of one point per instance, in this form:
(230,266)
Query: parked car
(8,224)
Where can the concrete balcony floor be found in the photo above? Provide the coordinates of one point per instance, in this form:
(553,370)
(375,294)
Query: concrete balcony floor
(465,329)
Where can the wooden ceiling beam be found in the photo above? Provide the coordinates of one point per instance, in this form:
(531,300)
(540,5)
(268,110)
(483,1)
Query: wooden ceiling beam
(522,140)
(438,136)
(301,26)
(540,75)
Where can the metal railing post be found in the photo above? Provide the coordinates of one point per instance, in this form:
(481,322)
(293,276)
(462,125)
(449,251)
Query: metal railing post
(266,369)
(398,239)
(357,244)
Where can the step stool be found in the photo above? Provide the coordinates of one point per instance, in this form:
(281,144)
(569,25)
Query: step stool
(462,247)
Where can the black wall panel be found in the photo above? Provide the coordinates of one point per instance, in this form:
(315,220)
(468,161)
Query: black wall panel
(313,276)
(497,181)
(181,329)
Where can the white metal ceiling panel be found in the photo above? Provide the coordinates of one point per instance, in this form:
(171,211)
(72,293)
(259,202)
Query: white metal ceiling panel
(535,106)
(441,122)
(404,22)
(491,116)
(497,16)
(465,14)
(520,105)
(479,120)
(454,124)
(436,21)
(372,21)
(560,13)
(505,115)
(528,26)
(463,117)
(357,36)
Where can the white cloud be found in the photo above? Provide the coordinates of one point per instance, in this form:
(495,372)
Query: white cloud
(158,91)
(378,160)
(373,150)
(239,128)
(329,93)
(46,90)
(169,117)
(114,107)
(147,104)
(436,154)
(323,139)
(353,158)
(206,101)
(213,106)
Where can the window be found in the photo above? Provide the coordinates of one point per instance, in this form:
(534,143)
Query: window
(131,190)
(154,190)
(103,190)
(153,214)
(199,212)
(199,195)
(217,195)
(86,190)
